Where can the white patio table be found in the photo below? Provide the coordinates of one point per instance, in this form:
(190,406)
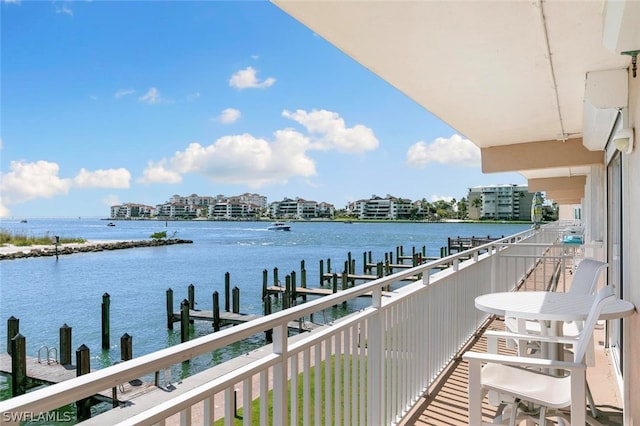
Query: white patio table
(549,306)
(555,307)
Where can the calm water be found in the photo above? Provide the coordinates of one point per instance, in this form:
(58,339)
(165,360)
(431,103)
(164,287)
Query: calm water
(44,293)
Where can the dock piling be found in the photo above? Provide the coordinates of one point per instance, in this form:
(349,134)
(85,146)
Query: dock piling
(18,365)
(216,311)
(170,309)
(126,347)
(184,321)
(13,328)
(236,300)
(265,282)
(227,287)
(191,291)
(266,302)
(83,366)
(65,345)
(106,302)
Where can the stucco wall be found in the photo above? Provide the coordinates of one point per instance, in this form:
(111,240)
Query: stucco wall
(631,242)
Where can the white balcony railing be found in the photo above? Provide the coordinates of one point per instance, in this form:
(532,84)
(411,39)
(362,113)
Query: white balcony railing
(367,368)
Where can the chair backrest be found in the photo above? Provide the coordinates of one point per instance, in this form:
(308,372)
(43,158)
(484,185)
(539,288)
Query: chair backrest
(586,276)
(604,295)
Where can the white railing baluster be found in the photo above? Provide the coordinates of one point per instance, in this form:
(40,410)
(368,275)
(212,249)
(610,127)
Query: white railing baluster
(229,407)
(247,401)
(306,388)
(264,397)
(280,375)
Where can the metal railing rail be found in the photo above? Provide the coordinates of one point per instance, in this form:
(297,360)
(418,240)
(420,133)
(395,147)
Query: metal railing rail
(367,368)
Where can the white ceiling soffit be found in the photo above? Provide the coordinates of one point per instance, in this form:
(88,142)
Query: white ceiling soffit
(499,72)
(556,172)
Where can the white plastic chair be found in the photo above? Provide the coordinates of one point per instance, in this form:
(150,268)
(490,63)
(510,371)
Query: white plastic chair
(513,377)
(585,279)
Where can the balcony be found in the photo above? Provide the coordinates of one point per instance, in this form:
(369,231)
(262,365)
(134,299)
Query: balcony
(395,362)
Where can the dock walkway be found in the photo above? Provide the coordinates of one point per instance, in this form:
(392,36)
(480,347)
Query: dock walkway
(52,373)
(231,318)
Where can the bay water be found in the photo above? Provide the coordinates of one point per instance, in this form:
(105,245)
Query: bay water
(45,293)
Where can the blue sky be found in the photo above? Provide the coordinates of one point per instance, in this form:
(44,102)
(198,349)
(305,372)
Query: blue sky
(104,103)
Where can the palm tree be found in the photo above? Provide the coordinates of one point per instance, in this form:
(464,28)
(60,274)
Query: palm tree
(477,204)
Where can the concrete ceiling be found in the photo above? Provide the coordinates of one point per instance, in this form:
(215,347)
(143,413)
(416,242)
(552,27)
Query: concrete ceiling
(499,72)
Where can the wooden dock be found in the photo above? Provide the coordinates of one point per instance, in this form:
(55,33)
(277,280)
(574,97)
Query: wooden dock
(304,291)
(231,318)
(49,373)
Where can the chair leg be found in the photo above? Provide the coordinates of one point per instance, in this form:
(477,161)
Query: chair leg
(543,415)
(592,404)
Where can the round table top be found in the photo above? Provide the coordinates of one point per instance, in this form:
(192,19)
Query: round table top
(549,306)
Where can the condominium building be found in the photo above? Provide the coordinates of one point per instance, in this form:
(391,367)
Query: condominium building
(500,202)
(131,211)
(299,209)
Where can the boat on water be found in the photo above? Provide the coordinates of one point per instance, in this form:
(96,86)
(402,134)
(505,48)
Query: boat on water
(111,224)
(279,226)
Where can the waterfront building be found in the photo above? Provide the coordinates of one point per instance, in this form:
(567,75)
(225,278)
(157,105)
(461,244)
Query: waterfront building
(299,208)
(132,211)
(227,210)
(500,202)
(379,208)
(325,210)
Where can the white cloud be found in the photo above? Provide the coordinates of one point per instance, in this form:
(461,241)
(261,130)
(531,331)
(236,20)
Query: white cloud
(111,200)
(64,9)
(158,173)
(4,211)
(332,132)
(452,151)
(151,97)
(245,159)
(246,79)
(229,115)
(111,178)
(29,181)
(123,92)
(12,1)
(193,96)
(257,162)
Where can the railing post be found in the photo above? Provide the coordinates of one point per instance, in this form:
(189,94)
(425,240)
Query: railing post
(375,360)
(280,407)
(494,268)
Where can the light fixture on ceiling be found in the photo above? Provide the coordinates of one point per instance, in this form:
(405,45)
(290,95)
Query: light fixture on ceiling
(623,140)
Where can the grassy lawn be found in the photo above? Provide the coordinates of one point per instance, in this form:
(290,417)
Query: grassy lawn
(255,405)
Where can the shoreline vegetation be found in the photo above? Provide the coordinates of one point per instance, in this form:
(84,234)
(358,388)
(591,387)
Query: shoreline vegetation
(10,251)
(23,240)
